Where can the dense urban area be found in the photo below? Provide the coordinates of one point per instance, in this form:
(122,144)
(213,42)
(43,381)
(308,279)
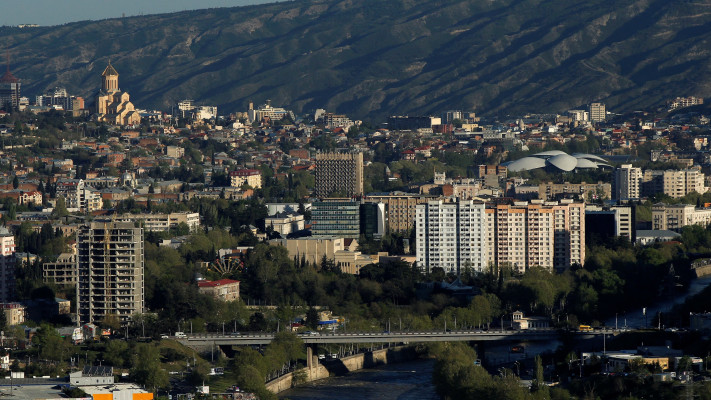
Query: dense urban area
(186,252)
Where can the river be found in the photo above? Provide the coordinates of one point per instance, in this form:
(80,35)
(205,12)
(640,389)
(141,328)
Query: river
(406,381)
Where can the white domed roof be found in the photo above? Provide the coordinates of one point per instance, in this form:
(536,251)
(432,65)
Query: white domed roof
(563,162)
(526,164)
(585,163)
(549,153)
(589,157)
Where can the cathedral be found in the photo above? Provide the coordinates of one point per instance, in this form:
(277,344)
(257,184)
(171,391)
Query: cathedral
(112,105)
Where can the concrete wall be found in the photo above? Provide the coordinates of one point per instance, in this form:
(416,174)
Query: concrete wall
(346,364)
(703,271)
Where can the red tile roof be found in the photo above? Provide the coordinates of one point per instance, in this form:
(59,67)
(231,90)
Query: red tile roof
(220,282)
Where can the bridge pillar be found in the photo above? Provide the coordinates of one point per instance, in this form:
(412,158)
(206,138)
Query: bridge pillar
(311,358)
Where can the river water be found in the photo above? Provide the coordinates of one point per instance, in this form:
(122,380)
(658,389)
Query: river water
(407,381)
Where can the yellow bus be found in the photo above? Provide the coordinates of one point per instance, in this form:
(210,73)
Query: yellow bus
(585,328)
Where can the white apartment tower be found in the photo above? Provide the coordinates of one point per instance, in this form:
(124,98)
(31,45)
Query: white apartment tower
(522,235)
(7,265)
(452,236)
(110,269)
(627,182)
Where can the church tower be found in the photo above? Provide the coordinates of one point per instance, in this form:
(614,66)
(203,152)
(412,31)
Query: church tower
(109,80)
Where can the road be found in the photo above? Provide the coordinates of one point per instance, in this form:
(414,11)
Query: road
(388,337)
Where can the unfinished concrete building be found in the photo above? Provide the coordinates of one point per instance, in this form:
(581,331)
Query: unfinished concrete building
(111,271)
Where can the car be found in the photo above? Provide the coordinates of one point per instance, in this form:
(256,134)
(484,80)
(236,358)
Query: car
(334,355)
(180,335)
(165,336)
(235,334)
(321,356)
(311,333)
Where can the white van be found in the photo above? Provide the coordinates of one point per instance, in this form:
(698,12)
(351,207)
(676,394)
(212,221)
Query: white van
(180,335)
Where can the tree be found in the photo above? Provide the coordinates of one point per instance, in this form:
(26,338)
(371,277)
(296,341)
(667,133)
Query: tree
(15,182)
(115,353)
(60,209)
(312,318)
(147,369)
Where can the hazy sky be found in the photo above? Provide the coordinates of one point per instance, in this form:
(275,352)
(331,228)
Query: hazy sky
(56,12)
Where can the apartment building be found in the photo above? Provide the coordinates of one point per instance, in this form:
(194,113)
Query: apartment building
(110,269)
(163,222)
(520,235)
(627,182)
(251,177)
(673,183)
(452,236)
(339,172)
(673,217)
(7,265)
(84,198)
(285,223)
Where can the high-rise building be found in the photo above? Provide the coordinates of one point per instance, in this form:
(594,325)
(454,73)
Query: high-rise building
(676,216)
(598,112)
(336,217)
(9,90)
(452,236)
(673,183)
(340,173)
(110,269)
(520,235)
(627,182)
(7,265)
(399,208)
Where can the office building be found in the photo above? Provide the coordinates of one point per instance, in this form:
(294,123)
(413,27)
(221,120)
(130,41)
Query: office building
(598,112)
(336,217)
(609,222)
(400,209)
(627,182)
(372,220)
(110,269)
(339,173)
(7,265)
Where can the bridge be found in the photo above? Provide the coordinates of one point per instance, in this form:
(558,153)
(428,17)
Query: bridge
(315,338)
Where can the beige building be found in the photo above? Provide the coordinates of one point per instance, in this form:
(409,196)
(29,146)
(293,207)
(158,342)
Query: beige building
(343,252)
(673,183)
(85,198)
(110,267)
(587,191)
(163,222)
(339,172)
(628,180)
(7,265)
(598,113)
(63,271)
(112,105)
(673,217)
(174,151)
(14,313)
(400,209)
(223,289)
(251,177)
(284,223)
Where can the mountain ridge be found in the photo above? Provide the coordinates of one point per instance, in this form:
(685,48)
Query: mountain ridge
(370,58)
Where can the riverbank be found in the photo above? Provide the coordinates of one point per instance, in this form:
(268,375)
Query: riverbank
(410,380)
(338,367)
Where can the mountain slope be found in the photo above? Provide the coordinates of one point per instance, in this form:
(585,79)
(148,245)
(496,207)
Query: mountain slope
(372,58)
